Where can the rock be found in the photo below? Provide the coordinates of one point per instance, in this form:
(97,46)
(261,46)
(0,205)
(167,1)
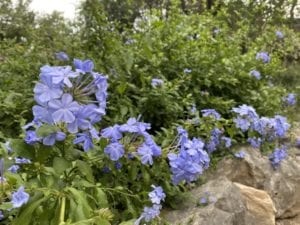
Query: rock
(228,204)
(258,203)
(255,170)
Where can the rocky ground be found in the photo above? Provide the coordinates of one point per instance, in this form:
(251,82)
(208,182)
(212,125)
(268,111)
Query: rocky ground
(245,192)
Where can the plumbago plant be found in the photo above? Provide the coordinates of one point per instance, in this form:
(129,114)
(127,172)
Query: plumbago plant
(70,170)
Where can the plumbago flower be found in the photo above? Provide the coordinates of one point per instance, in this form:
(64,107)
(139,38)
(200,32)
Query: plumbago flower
(116,150)
(19,198)
(191,160)
(70,101)
(290,99)
(267,129)
(263,56)
(150,213)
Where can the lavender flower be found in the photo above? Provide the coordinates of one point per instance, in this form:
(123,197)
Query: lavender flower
(113,132)
(227,141)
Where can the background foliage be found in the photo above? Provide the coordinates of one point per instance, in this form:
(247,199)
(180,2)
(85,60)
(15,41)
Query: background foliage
(202,50)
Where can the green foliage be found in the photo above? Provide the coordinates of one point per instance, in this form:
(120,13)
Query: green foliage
(203,53)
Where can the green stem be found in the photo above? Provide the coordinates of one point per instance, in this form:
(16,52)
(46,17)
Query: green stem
(62,210)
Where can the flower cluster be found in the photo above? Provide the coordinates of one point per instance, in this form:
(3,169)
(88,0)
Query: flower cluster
(263,56)
(268,128)
(191,160)
(277,156)
(70,100)
(290,99)
(156,196)
(279,34)
(156,82)
(147,150)
(211,112)
(255,74)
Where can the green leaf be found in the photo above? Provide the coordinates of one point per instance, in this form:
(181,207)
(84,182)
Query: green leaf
(101,198)
(81,209)
(26,215)
(22,149)
(46,129)
(129,222)
(60,165)
(86,170)
(6,205)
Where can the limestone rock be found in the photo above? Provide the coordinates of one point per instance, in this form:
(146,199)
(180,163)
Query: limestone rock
(228,204)
(255,170)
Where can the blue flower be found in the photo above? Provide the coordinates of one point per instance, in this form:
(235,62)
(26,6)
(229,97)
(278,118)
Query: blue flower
(290,99)
(118,165)
(203,200)
(31,137)
(211,112)
(227,141)
(86,139)
(81,121)
(22,160)
(186,70)
(247,111)
(157,195)
(13,168)
(240,154)
(277,156)
(115,150)
(112,132)
(105,169)
(149,214)
(281,126)
(52,138)
(156,82)
(19,198)
(263,56)
(279,34)
(62,56)
(84,66)
(47,91)
(1,215)
(62,75)
(255,142)
(255,74)
(146,154)
(64,109)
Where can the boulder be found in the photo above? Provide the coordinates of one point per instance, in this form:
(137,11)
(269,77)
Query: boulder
(228,203)
(255,170)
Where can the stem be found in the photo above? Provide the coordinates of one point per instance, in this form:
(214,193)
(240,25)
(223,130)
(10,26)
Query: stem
(62,211)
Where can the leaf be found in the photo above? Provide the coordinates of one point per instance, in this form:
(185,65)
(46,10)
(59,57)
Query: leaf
(26,215)
(60,165)
(80,208)
(46,129)
(22,149)
(129,222)
(86,170)
(101,198)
